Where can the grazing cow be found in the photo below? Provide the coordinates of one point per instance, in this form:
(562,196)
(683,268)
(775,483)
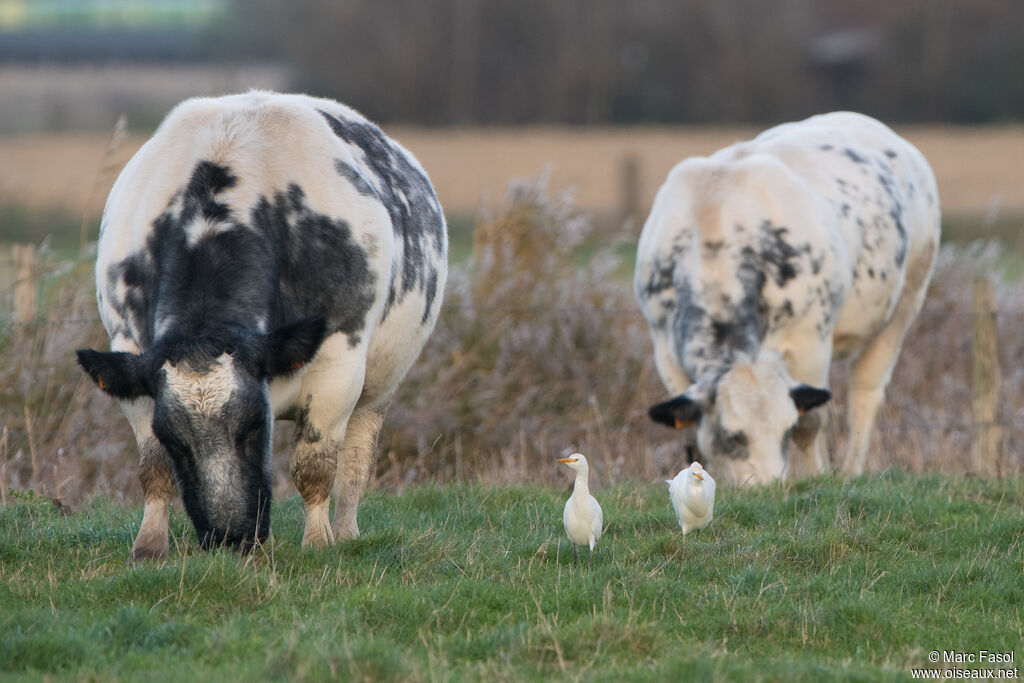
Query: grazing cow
(761,263)
(262,256)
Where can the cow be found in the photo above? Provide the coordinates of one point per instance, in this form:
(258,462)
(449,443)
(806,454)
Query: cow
(262,256)
(764,262)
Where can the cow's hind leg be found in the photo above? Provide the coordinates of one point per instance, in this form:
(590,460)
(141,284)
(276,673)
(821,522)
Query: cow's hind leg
(872,369)
(355,468)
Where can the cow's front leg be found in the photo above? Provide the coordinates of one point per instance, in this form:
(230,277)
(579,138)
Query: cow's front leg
(159,489)
(313,464)
(355,468)
(157,479)
(808,457)
(808,448)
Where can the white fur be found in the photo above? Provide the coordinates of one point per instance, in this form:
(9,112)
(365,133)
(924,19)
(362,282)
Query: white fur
(827,201)
(270,141)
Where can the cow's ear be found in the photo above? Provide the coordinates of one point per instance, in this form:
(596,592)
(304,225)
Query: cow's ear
(292,346)
(678,412)
(122,375)
(806,397)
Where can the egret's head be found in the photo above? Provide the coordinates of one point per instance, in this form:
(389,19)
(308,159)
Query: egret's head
(575,461)
(696,472)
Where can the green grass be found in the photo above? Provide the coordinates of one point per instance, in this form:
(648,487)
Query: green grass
(815,580)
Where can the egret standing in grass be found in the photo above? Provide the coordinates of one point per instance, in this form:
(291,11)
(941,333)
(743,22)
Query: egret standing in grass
(692,493)
(582,517)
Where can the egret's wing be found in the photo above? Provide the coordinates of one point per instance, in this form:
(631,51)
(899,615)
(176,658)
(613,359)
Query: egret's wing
(596,518)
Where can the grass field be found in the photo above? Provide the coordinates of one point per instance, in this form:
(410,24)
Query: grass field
(813,580)
(818,580)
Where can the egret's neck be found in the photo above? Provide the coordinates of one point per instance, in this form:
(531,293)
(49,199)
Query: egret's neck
(582,486)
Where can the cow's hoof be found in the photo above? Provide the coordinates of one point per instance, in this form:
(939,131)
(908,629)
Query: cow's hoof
(346,531)
(141,553)
(318,537)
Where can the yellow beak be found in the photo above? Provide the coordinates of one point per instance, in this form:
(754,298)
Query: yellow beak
(566,460)
(699,475)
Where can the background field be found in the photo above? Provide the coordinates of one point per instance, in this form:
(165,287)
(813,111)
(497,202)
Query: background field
(977,167)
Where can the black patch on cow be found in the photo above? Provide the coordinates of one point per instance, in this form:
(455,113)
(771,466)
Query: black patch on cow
(199,197)
(890,153)
(781,315)
(220,277)
(780,259)
(409,199)
(826,148)
(304,430)
(662,277)
(854,157)
(732,445)
(429,293)
(895,210)
(319,267)
(352,175)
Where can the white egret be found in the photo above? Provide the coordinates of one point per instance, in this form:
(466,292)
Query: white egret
(582,517)
(692,493)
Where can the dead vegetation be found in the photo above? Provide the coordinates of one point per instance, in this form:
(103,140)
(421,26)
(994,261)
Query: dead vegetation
(540,348)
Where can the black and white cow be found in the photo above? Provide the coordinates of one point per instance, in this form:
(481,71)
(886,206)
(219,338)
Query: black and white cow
(761,264)
(262,256)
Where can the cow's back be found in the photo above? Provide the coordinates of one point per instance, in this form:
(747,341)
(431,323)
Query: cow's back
(347,220)
(882,201)
(828,212)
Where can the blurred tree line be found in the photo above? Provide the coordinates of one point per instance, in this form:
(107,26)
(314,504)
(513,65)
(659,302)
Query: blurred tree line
(626,61)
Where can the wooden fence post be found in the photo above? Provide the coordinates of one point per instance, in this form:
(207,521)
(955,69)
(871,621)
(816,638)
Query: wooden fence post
(987,437)
(629,197)
(26,266)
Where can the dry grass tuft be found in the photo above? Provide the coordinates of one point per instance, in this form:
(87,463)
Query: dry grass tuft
(536,353)
(64,438)
(540,349)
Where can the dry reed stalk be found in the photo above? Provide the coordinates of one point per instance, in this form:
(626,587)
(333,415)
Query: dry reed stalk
(34,479)
(3,465)
(107,164)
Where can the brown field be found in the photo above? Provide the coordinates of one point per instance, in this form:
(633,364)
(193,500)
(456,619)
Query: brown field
(978,169)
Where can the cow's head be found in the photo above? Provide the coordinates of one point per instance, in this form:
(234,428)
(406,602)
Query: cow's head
(744,419)
(212,414)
